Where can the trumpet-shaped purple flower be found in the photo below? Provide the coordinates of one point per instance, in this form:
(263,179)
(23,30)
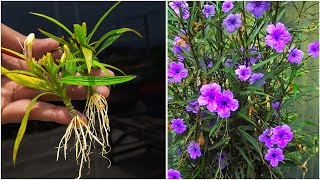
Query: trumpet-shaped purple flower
(257,7)
(208,10)
(227,6)
(243,72)
(282,135)
(232,22)
(208,96)
(194,150)
(193,106)
(179,44)
(275,105)
(266,138)
(177,71)
(278,36)
(222,160)
(313,49)
(274,155)
(295,56)
(225,103)
(178,125)
(228,62)
(176,5)
(174,174)
(255,77)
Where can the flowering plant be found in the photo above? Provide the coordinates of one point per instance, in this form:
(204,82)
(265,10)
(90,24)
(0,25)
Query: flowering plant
(233,80)
(52,76)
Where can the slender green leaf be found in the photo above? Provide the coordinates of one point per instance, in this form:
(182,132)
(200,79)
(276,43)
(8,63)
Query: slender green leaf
(96,63)
(256,66)
(13,52)
(112,67)
(23,127)
(252,141)
(246,117)
(80,35)
(54,21)
(95,80)
(100,21)
(215,126)
(88,57)
(60,40)
(244,156)
(219,143)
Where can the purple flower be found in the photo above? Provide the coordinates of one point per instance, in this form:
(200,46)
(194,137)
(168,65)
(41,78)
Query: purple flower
(227,6)
(173,174)
(208,10)
(257,7)
(193,106)
(282,135)
(180,57)
(313,49)
(210,64)
(295,56)
(194,150)
(243,72)
(176,5)
(266,138)
(208,94)
(278,36)
(255,77)
(254,57)
(274,155)
(222,160)
(228,62)
(232,22)
(177,71)
(179,44)
(178,125)
(275,105)
(179,152)
(225,103)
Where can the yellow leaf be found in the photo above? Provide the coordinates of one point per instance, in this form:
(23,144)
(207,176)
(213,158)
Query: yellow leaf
(88,57)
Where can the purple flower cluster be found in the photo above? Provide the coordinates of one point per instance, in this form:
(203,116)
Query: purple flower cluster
(176,72)
(194,150)
(177,5)
(178,125)
(295,56)
(227,6)
(278,36)
(217,101)
(193,106)
(208,10)
(174,174)
(313,49)
(232,22)
(257,7)
(280,136)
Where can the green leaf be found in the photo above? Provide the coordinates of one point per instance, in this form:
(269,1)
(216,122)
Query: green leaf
(88,57)
(215,126)
(54,21)
(244,156)
(84,29)
(256,66)
(13,52)
(80,35)
(112,67)
(255,32)
(23,127)
(95,80)
(219,143)
(252,141)
(100,21)
(246,117)
(60,40)
(96,63)
(27,81)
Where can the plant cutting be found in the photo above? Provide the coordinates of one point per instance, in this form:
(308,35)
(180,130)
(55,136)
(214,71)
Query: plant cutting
(52,76)
(233,81)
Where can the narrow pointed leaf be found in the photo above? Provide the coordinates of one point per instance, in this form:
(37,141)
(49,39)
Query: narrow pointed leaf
(23,127)
(95,80)
(13,52)
(60,40)
(88,57)
(80,36)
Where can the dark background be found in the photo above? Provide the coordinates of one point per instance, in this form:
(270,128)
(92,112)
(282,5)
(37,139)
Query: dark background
(136,108)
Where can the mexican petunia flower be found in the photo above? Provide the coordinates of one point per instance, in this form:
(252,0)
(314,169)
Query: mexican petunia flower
(313,49)
(194,150)
(282,135)
(253,57)
(295,56)
(225,103)
(179,44)
(208,94)
(257,7)
(228,62)
(275,105)
(277,36)
(227,6)
(174,174)
(222,160)
(177,71)
(243,72)
(266,138)
(232,22)
(176,5)
(208,10)
(193,106)
(255,77)
(274,155)
(178,125)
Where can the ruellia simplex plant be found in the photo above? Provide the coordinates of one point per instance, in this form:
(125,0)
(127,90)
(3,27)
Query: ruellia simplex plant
(52,76)
(233,79)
